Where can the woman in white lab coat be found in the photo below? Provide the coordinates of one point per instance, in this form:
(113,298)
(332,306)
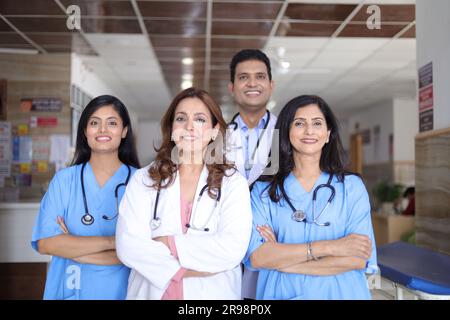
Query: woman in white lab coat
(185,219)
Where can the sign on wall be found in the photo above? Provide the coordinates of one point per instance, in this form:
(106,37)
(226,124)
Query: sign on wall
(41,104)
(426,97)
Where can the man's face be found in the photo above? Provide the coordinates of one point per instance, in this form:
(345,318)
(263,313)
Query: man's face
(252,87)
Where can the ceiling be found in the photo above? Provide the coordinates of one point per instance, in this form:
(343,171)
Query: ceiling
(137,47)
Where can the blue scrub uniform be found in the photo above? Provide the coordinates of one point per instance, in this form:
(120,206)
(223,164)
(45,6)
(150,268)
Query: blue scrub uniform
(349,212)
(67,279)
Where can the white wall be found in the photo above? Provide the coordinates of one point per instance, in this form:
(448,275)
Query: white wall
(377,151)
(433,45)
(406,126)
(87,80)
(148,134)
(344,133)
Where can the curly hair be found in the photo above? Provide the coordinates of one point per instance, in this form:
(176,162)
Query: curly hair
(163,169)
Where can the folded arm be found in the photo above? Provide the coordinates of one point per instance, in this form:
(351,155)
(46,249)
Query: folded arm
(337,256)
(93,248)
(326,266)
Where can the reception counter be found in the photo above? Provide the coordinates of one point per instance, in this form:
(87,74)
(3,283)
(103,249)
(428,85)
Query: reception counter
(16,226)
(391,227)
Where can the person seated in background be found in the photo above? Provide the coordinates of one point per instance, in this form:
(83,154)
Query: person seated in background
(410,195)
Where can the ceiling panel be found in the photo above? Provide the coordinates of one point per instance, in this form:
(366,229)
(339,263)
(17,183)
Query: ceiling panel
(252,10)
(35,7)
(389,13)
(110,25)
(330,12)
(178,42)
(386,31)
(180,9)
(242,28)
(8,39)
(44,39)
(50,24)
(306,29)
(102,7)
(238,44)
(411,33)
(176,27)
(179,53)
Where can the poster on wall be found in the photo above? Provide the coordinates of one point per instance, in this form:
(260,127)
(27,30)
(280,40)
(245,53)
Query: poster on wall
(22,148)
(5,149)
(426,97)
(2,99)
(41,104)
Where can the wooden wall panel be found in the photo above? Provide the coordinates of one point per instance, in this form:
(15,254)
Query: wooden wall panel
(22,281)
(433,190)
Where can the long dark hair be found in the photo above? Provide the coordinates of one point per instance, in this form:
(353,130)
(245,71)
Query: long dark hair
(332,157)
(127,147)
(164,168)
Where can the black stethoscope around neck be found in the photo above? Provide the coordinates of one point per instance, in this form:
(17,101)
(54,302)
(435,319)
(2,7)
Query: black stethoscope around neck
(155,223)
(248,165)
(87,219)
(300,215)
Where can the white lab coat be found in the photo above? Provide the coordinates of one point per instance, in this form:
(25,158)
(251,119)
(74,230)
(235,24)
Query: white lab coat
(235,152)
(218,251)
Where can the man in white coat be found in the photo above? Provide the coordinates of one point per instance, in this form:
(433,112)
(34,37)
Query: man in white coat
(251,129)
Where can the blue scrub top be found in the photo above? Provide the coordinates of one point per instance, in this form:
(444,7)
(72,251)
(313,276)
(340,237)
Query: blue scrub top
(67,279)
(349,212)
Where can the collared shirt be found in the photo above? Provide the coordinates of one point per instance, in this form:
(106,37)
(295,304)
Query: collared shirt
(250,139)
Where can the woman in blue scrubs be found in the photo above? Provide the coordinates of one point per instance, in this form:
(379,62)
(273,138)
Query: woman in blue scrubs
(307,249)
(77,219)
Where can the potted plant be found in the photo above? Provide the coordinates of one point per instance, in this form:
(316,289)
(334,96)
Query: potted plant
(386,194)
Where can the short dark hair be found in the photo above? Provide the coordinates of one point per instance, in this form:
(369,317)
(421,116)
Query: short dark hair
(249,54)
(409,191)
(127,148)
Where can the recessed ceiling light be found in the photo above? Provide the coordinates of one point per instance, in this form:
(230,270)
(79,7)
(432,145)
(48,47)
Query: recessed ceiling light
(187,61)
(285,64)
(187,76)
(18,51)
(186,84)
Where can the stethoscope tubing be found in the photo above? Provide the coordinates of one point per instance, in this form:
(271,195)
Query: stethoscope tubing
(316,190)
(155,222)
(87,218)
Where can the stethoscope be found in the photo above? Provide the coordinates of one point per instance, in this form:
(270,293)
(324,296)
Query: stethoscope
(87,219)
(300,216)
(155,223)
(248,164)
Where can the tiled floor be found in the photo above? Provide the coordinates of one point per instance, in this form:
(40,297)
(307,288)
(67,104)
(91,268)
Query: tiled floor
(387,292)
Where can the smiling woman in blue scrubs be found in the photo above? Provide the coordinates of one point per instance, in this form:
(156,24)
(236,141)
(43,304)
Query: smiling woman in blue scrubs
(306,249)
(77,219)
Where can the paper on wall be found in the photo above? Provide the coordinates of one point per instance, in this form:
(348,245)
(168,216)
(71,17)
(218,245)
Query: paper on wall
(59,150)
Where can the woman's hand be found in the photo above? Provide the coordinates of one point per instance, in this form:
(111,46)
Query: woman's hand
(61,223)
(193,273)
(164,240)
(353,245)
(267,233)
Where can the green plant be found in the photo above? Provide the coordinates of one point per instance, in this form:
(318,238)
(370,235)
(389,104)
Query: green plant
(387,192)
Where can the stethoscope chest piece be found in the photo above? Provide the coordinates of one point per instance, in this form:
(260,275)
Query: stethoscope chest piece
(87,219)
(155,223)
(298,215)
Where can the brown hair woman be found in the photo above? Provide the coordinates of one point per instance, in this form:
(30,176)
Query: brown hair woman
(185,220)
